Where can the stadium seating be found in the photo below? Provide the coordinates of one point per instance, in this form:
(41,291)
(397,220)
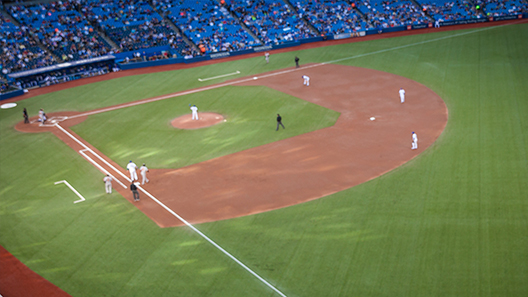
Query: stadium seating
(272,20)
(448,10)
(19,50)
(331,17)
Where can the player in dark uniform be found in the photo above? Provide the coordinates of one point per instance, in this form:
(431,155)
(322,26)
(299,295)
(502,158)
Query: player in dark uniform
(296,61)
(26,118)
(279,122)
(134,190)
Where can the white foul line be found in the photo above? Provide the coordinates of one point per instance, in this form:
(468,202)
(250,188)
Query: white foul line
(175,214)
(100,167)
(71,188)
(219,76)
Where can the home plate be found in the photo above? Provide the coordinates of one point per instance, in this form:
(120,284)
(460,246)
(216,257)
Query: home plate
(372,118)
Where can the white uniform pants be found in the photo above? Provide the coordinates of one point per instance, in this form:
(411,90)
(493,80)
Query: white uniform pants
(144,177)
(306,82)
(402,98)
(108,188)
(133,175)
(194,115)
(414,144)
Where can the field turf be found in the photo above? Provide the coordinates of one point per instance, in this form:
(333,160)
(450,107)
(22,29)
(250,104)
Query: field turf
(451,222)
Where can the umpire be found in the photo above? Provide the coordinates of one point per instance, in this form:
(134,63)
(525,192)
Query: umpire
(279,122)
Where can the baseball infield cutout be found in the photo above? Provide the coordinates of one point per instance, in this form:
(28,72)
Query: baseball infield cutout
(205,119)
(301,168)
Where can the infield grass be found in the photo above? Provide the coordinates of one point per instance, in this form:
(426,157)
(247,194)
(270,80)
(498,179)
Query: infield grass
(452,222)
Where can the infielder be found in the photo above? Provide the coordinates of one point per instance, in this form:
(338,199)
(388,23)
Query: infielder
(194,112)
(402,95)
(306,80)
(143,170)
(414,141)
(108,184)
(267,57)
(132,169)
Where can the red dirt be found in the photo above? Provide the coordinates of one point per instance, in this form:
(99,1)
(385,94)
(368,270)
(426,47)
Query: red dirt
(206,119)
(16,278)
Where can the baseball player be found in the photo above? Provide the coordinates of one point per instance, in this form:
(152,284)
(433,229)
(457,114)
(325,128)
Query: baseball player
(132,169)
(108,184)
(402,95)
(194,112)
(41,115)
(306,80)
(143,170)
(279,122)
(267,57)
(296,62)
(414,141)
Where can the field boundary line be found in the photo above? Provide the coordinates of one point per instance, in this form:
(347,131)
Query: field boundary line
(176,215)
(73,189)
(219,76)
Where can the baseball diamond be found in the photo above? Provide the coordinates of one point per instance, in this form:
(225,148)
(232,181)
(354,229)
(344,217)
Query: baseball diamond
(335,204)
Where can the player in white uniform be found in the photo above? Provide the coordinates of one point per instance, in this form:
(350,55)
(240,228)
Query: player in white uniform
(402,95)
(414,141)
(132,169)
(306,80)
(267,57)
(194,112)
(41,115)
(108,184)
(143,170)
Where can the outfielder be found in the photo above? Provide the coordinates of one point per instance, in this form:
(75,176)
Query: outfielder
(143,170)
(306,80)
(267,57)
(414,141)
(194,112)
(108,184)
(132,169)
(402,95)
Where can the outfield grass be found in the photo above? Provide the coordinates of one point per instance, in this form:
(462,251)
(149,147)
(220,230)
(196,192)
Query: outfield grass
(452,222)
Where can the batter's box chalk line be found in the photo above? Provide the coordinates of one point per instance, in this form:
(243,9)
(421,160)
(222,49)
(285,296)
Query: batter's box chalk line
(71,188)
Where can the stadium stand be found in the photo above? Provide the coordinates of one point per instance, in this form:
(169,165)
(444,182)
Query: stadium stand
(62,29)
(447,10)
(331,17)
(19,50)
(273,21)
(501,7)
(392,13)
(208,24)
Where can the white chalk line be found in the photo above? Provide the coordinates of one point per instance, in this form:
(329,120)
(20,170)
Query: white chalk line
(206,88)
(219,76)
(101,168)
(176,215)
(71,188)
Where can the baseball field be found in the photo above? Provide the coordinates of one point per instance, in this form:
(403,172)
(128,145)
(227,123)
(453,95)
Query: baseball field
(450,219)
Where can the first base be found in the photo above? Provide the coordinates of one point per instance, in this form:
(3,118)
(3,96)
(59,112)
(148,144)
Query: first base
(255,77)
(372,118)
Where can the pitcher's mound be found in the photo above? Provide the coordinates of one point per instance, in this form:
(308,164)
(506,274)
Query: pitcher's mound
(206,119)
